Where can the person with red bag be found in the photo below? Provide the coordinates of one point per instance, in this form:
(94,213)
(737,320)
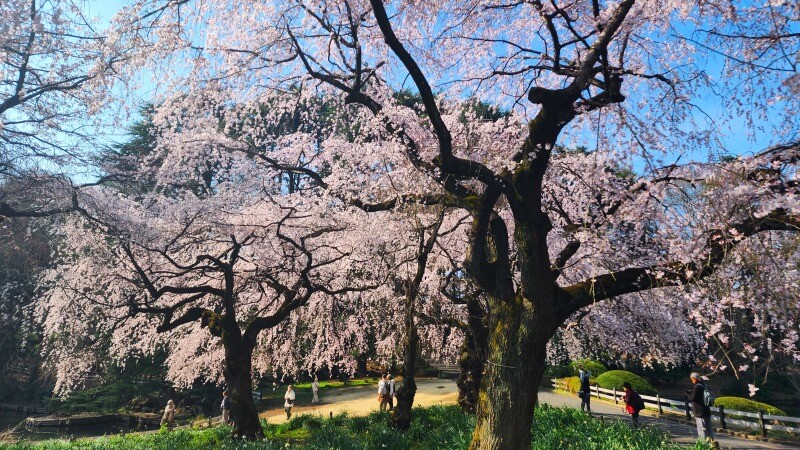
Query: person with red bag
(633,403)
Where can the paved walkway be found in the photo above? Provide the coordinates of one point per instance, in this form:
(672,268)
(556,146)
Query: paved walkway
(680,432)
(363,400)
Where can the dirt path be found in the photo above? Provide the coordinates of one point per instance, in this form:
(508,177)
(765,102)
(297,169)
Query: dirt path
(364,400)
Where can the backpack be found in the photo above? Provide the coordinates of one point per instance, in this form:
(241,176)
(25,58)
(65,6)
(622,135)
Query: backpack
(637,402)
(585,377)
(708,397)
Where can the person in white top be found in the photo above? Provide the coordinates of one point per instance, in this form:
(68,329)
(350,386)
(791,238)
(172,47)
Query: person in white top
(315,390)
(390,390)
(289,401)
(169,416)
(226,408)
(383,397)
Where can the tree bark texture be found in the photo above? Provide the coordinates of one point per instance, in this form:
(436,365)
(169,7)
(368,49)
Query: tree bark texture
(520,320)
(238,379)
(473,354)
(508,390)
(401,417)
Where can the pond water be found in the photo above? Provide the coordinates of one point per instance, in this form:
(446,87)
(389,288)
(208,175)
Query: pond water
(9,421)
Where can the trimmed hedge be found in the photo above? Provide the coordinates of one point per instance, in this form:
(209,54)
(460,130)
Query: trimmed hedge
(614,379)
(747,405)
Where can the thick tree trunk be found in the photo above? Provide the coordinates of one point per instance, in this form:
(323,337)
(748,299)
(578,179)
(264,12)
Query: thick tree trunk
(401,417)
(469,376)
(238,378)
(520,324)
(508,393)
(471,362)
(361,364)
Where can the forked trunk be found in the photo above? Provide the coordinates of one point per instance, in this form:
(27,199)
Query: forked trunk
(239,385)
(519,325)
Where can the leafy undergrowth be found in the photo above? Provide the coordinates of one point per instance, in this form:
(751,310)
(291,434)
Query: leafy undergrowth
(437,427)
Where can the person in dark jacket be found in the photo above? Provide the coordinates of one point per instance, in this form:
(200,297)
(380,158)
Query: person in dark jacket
(585,392)
(701,412)
(633,403)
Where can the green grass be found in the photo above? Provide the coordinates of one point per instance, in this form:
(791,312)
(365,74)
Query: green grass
(214,438)
(332,384)
(437,427)
(303,390)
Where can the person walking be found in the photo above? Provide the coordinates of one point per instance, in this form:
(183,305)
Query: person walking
(701,411)
(382,397)
(633,403)
(390,390)
(169,416)
(585,392)
(315,390)
(288,401)
(226,408)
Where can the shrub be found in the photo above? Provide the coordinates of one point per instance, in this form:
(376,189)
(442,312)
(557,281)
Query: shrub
(614,379)
(558,371)
(573,384)
(747,405)
(595,367)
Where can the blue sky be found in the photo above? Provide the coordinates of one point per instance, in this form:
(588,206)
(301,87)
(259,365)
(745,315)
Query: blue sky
(736,136)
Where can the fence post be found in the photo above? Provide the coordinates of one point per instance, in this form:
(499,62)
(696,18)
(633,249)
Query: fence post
(722,417)
(761,422)
(616,402)
(658,399)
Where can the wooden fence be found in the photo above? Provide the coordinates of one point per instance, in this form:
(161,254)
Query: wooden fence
(22,409)
(446,368)
(724,417)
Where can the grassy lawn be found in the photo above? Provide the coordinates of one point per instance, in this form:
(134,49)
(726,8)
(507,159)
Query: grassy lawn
(272,398)
(438,427)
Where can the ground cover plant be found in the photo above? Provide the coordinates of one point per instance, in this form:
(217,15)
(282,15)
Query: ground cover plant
(439,427)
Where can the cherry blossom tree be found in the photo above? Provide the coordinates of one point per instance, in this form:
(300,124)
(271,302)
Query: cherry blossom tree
(215,278)
(53,72)
(547,240)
